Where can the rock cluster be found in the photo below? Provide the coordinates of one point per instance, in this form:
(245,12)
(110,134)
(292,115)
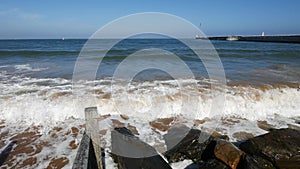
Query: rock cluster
(277,149)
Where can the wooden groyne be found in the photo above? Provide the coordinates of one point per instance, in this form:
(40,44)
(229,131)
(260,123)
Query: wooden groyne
(275,39)
(89,154)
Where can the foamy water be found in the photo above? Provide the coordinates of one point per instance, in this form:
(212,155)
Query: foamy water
(43,105)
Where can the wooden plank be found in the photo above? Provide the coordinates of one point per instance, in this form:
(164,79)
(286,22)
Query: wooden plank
(81,160)
(85,157)
(92,127)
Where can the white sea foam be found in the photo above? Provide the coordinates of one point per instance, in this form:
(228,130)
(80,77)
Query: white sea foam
(54,144)
(55,102)
(52,100)
(181,164)
(27,67)
(4,66)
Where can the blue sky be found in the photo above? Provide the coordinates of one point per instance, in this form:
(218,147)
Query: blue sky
(79,19)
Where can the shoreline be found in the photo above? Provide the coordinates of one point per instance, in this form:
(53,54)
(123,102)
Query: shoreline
(35,144)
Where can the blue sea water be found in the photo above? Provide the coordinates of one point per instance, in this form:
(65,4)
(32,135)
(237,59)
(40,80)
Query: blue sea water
(244,62)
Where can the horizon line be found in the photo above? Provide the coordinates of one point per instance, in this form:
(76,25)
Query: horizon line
(84,38)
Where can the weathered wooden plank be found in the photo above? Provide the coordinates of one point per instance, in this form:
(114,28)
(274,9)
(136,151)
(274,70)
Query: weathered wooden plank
(92,127)
(82,157)
(85,157)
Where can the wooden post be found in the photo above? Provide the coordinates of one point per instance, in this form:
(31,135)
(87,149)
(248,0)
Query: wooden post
(92,128)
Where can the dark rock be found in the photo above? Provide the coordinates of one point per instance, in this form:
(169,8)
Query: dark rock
(242,135)
(193,166)
(131,153)
(255,162)
(281,147)
(220,136)
(276,149)
(265,125)
(192,146)
(210,164)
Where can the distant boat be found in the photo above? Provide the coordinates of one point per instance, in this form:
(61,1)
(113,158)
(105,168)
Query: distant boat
(200,37)
(232,38)
(62,38)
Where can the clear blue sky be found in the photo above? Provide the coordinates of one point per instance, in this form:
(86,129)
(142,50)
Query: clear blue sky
(78,18)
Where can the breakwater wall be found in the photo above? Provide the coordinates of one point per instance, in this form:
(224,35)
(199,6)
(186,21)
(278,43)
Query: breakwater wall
(276,39)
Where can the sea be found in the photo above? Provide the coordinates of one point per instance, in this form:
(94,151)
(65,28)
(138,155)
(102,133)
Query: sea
(42,106)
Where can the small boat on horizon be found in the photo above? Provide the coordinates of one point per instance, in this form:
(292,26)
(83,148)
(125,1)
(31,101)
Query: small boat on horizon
(232,38)
(200,37)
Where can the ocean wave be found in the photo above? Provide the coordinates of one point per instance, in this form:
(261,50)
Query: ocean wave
(27,67)
(4,66)
(33,53)
(49,113)
(51,100)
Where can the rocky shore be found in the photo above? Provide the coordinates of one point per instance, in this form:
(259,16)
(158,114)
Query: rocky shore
(280,148)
